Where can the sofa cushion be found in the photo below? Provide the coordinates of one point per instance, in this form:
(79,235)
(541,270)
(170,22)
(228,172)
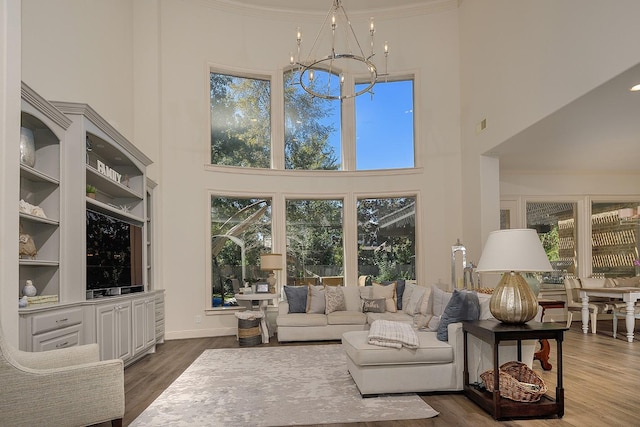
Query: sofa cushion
(400,287)
(352,298)
(406,295)
(374,305)
(388,292)
(297,298)
(346,318)
(315,300)
(416,298)
(429,350)
(463,305)
(301,319)
(398,316)
(439,300)
(334,299)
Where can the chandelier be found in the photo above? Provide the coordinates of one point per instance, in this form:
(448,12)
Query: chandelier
(323,76)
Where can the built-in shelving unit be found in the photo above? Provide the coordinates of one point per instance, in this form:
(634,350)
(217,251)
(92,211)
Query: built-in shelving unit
(40,188)
(75,147)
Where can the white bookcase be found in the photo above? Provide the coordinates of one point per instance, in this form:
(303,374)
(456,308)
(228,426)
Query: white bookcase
(41,187)
(74,148)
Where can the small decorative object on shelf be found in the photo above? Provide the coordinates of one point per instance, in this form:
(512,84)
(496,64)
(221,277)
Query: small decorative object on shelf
(91,191)
(29,290)
(22,302)
(26,245)
(27,147)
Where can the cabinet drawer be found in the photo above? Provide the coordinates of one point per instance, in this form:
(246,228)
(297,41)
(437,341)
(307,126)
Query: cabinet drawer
(61,338)
(55,320)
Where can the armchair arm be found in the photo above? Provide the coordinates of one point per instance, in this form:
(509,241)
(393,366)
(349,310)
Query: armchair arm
(283,307)
(58,358)
(73,395)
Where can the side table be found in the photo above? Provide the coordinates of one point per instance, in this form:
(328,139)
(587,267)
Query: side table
(494,332)
(543,354)
(264,302)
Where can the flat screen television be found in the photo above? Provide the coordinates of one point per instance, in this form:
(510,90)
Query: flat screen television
(114,252)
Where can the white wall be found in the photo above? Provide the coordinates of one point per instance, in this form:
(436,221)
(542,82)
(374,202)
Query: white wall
(9,170)
(522,60)
(143,65)
(81,51)
(195,35)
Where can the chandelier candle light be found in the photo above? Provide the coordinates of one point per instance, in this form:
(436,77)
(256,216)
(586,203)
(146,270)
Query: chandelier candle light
(271,263)
(346,57)
(513,252)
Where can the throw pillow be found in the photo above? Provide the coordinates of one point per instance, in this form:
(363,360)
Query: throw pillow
(334,299)
(315,300)
(387,292)
(463,305)
(406,295)
(414,302)
(297,298)
(376,305)
(440,299)
(425,305)
(400,287)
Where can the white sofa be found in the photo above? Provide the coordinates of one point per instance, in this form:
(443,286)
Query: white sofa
(325,327)
(435,366)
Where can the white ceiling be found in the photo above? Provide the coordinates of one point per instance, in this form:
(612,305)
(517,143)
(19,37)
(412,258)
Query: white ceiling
(599,131)
(325,5)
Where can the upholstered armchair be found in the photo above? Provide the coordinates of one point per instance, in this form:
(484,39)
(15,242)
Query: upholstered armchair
(64,387)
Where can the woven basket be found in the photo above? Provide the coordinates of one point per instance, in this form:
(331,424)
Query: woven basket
(517,382)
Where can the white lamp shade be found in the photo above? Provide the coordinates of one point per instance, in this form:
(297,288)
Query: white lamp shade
(271,262)
(513,250)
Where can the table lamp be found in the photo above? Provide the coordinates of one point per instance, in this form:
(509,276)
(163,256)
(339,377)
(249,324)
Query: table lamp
(513,252)
(271,263)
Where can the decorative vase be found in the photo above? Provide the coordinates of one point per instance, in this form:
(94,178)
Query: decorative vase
(513,301)
(29,290)
(27,147)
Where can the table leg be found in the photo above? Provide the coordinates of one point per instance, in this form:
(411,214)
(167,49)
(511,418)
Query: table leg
(585,314)
(630,320)
(263,322)
(543,355)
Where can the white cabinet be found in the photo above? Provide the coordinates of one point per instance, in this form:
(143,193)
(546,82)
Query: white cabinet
(114,330)
(144,326)
(51,328)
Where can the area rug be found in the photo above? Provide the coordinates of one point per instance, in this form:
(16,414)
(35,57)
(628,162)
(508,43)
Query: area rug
(273,386)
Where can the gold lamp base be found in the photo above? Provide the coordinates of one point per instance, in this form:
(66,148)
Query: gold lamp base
(513,301)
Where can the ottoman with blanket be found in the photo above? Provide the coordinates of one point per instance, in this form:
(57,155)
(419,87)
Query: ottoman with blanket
(432,361)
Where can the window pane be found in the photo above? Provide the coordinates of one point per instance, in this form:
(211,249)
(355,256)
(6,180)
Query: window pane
(386,238)
(384,126)
(240,121)
(557,229)
(614,240)
(312,128)
(314,240)
(240,232)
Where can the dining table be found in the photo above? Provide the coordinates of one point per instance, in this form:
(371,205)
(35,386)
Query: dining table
(627,294)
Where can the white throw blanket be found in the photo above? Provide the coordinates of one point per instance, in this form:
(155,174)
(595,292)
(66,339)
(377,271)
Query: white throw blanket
(386,333)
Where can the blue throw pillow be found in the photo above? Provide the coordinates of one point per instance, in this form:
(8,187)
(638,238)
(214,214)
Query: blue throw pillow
(463,305)
(297,298)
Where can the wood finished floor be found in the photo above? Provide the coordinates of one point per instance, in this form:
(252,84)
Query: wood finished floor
(601,380)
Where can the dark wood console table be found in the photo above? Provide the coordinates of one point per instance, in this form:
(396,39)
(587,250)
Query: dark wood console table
(494,332)
(543,354)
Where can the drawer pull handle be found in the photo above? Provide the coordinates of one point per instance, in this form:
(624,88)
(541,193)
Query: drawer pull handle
(62,320)
(62,345)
